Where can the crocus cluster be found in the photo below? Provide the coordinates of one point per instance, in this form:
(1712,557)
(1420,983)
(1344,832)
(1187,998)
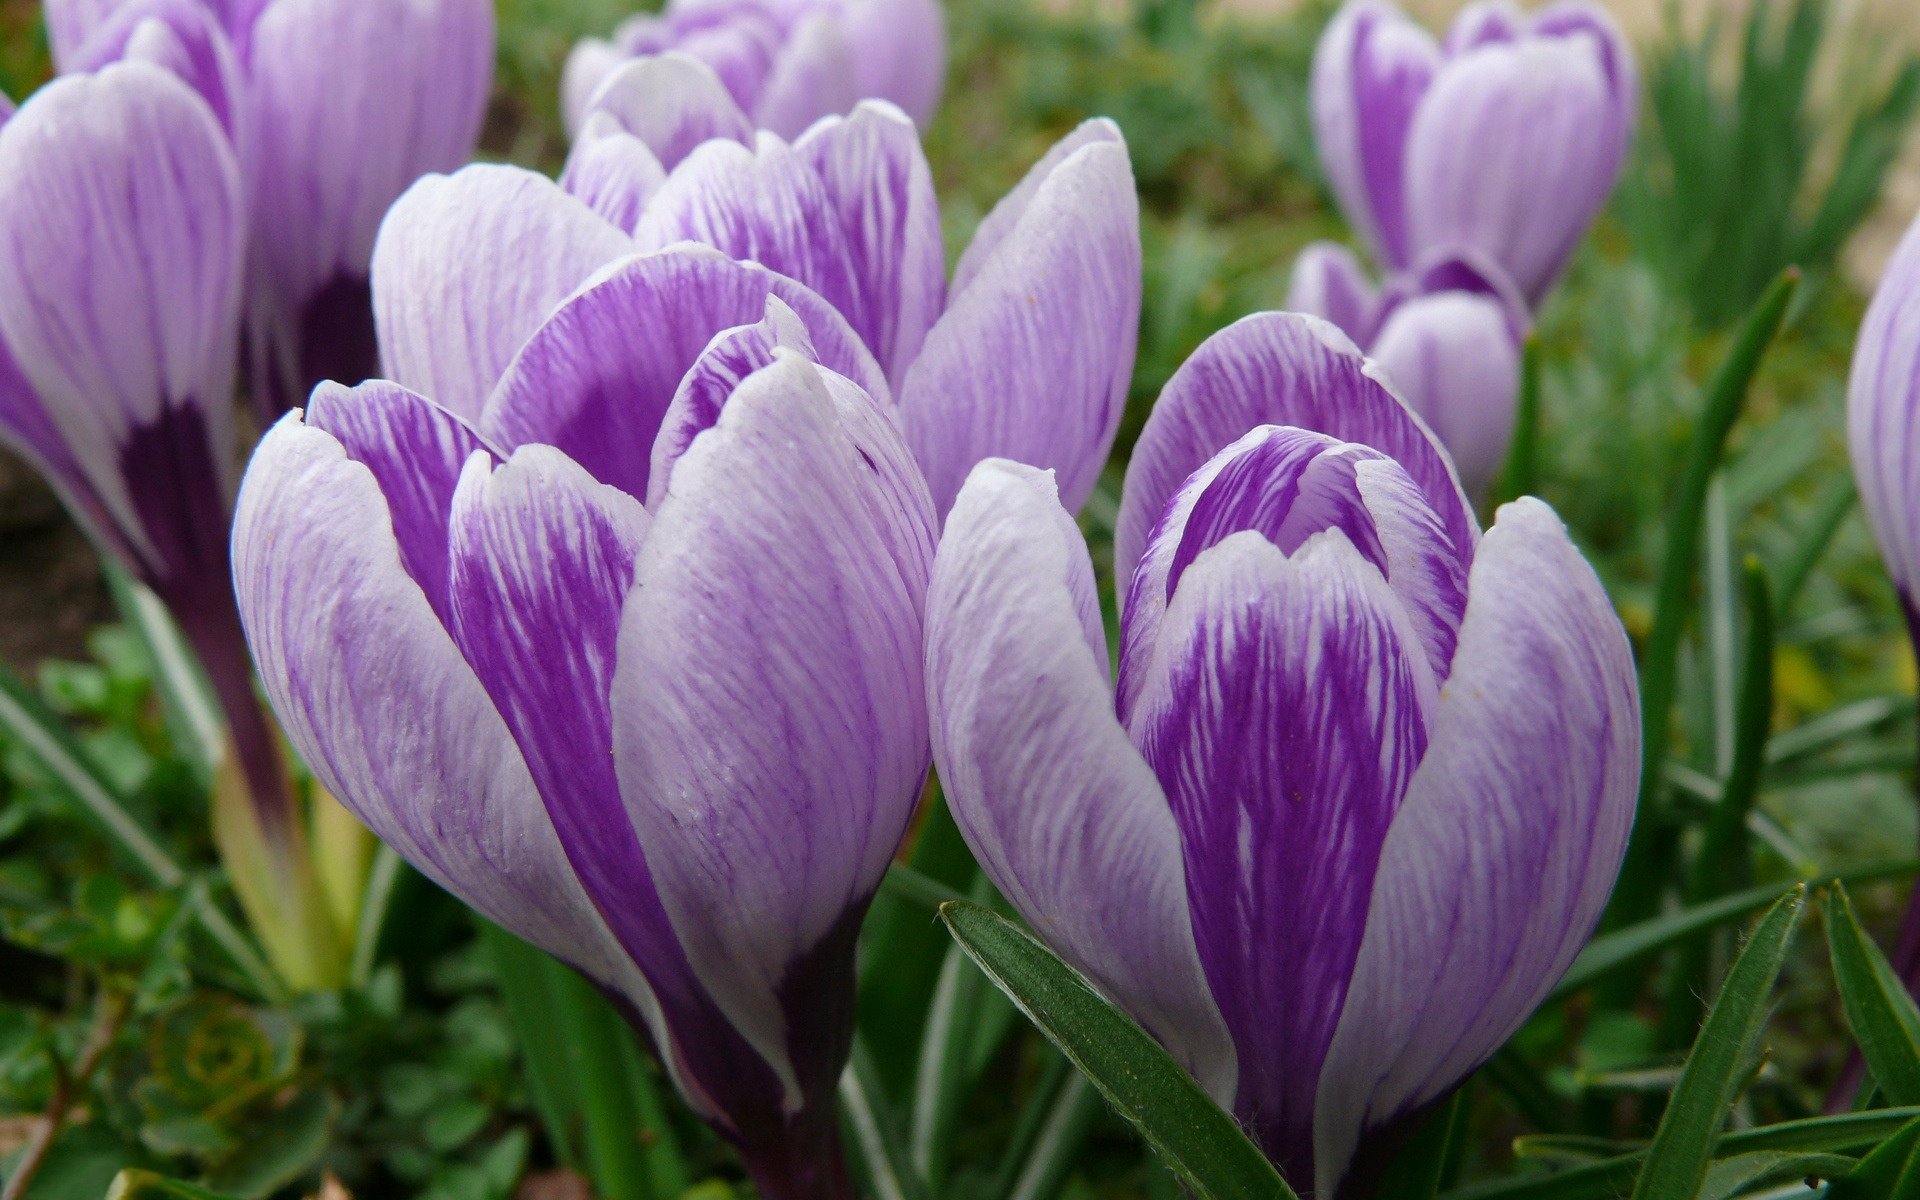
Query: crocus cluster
(786,63)
(1026,353)
(1366,778)
(333,107)
(1472,169)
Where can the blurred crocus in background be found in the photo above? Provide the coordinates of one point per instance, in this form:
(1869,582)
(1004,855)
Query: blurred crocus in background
(1367,776)
(123,230)
(1448,332)
(786,63)
(661,713)
(334,107)
(1026,353)
(1505,141)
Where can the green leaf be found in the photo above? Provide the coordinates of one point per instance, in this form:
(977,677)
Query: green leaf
(1520,476)
(288,1147)
(1889,1173)
(1198,1142)
(874,1133)
(1879,1008)
(1682,1148)
(145,1185)
(1731,1177)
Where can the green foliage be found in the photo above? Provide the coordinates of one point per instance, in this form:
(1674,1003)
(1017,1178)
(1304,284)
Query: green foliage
(1729,189)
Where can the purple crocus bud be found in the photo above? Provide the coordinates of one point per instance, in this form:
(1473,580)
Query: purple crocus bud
(787,63)
(1506,141)
(1367,777)
(1448,333)
(1026,354)
(122,242)
(675,742)
(1883,420)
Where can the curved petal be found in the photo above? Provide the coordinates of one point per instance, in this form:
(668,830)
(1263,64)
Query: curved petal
(765,204)
(1577,19)
(468,265)
(1883,416)
(672,102)
(900,52)
(355,99)
(612,172)
(121,228)
(1034,354)
(184,37)
(70,23)
(1012,207)
(1284,713)
(1329,282)
(1370,72)
(1482,22)
(379,702)
(1276,369)
(1052,797)
(1453,357)
(880,188)
(814,75)
(769,714)
(1513,152)
(1508,842)
(596,378)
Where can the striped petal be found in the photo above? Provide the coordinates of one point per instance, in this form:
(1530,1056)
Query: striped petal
(672,102)
(1328,282)
(1454,358)
(1883,418)
(612,172)
(813,75)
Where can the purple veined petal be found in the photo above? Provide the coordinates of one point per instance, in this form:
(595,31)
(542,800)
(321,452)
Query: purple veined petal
(1277,369)
(1012,207)
(26,428)
(1285,710)
(1457,269)
(122,219)
(1370,72)
(70,23)
(1575,19)
(769,715)
(1288,485)
(1509,840)
(1032,359)
(467,267)
(355,100)
(900,52)
(763,204)
(588,64)
(673,103)
(1052,797)
(814,75)
(184,37)
(1883,416)
(1513,152)
(372,691)
(1454,359)
(1329,282)
(729,358)
(415,450)
(1482,23)
(612,172)
(879,186)
(596,378)
(743,47)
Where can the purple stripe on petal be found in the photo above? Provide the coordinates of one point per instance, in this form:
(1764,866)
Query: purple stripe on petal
(467,267)
(181,36)
(1032,358)
(1006,215)
(1277,369)
(1482,23)
(1883,415)
(673,103)
(415,450)
(878,183)
(597,377)
(1052,797)
(1329,282)
(768,712)
(612,172)
(1503,853)
(1285,710)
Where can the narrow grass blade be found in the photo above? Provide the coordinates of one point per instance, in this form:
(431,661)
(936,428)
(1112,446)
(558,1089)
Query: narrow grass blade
(1879,1008)
(874,1132)
(946,1046)
(1821,528)
(1682,1149)
(1416,1171)
(146,1185)
(186,698)
(1198,1142)
(1521,474)
(1044,1171)
(1743,1173)
(1889,1173)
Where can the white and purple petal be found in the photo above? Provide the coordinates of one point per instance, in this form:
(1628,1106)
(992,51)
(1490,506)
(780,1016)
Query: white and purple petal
(1328,282)
(1453,357)
(1883,419)
(672,102)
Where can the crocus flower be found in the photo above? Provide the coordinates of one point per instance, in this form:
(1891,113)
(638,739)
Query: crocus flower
(1883,420)
(1449,334)
(1367,776)
(1506,140)
(335,107)
(1026,354)
(785,62)
(661,714)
